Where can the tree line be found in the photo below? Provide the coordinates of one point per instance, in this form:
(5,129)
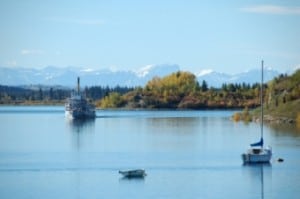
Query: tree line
(45,94)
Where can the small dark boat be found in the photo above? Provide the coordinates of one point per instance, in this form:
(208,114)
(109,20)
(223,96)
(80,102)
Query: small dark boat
(137,173)
(280,160)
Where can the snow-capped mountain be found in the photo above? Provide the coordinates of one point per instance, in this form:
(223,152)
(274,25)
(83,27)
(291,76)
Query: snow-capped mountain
(105,77)
(216,79)
(89,77)
(152,70)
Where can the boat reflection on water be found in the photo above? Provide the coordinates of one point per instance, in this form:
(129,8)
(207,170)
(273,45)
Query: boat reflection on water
(81,130)
(78,125)
(124,179)
(257,173)
(132,179)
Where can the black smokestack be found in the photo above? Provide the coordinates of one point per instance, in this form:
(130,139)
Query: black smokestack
(78,84)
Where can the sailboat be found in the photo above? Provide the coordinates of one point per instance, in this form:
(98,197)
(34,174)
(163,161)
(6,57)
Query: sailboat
(257,153)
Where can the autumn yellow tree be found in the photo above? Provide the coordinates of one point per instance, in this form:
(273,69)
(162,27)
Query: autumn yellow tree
(172,88)
(113,100)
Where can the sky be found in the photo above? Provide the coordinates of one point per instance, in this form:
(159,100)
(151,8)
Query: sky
(225,36)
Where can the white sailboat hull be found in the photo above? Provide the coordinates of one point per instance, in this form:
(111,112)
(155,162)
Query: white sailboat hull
(257,155)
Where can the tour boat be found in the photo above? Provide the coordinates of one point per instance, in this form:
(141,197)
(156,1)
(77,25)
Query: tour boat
(77,107)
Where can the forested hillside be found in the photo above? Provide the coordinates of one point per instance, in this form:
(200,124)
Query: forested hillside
(281,101)
(283,98)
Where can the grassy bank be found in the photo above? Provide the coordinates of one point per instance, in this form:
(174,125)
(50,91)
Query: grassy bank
(288,112)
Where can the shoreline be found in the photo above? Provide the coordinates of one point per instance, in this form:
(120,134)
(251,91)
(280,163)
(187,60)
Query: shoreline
(128,108)
(267,117)
(275,119)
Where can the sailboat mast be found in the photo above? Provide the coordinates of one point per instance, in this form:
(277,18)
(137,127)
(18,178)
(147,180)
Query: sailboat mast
(261,100)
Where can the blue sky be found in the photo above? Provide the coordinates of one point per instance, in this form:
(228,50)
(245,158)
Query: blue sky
(226,36)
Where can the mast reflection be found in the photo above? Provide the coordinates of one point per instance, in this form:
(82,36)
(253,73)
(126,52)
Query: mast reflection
(257,172)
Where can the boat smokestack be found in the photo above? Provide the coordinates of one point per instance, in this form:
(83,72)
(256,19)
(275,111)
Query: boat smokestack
(78,84)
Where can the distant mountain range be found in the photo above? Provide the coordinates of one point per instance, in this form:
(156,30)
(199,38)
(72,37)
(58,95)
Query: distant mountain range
(91,77)
(216,79)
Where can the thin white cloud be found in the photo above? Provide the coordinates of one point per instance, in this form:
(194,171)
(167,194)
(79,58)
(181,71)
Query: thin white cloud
(31,52)
(90,22)
(273,9)
(11,63)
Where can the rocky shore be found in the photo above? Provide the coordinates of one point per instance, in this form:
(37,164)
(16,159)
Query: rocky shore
(275,120)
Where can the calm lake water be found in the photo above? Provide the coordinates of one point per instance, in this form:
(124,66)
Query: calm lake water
(186,154)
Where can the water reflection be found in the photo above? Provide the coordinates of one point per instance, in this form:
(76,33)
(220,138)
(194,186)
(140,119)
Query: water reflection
(80,130)
(257,173)
(283,129)
(176,124)
(131,179)
(80,125)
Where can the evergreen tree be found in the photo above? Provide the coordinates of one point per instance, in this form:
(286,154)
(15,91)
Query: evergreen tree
(204,86)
